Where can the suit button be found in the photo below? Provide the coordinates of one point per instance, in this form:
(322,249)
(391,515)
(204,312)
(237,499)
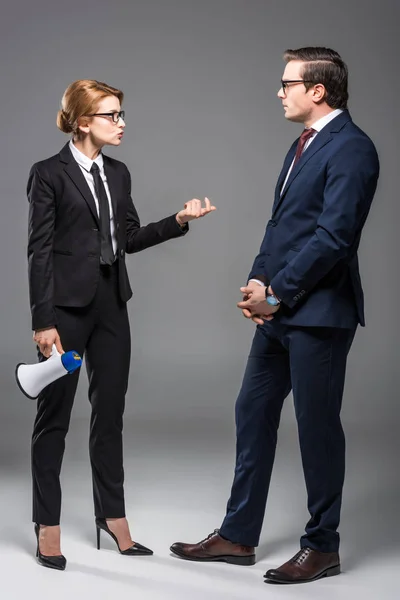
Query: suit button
(121,252)
(272,223)
(117,226)
(94,229)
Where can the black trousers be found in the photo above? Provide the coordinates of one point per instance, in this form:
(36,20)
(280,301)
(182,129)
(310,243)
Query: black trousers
(311,361)
(101,333)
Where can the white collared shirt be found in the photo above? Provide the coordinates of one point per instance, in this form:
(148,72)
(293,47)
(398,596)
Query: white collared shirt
(85,163)
(318,126)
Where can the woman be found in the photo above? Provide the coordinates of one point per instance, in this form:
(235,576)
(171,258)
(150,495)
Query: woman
(82,221)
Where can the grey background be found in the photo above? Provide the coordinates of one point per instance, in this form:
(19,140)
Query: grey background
(200,79)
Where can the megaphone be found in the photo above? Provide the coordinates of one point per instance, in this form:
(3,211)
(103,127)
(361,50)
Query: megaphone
(32,379)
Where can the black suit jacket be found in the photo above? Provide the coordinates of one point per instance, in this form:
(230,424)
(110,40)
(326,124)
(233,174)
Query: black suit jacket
(64,238)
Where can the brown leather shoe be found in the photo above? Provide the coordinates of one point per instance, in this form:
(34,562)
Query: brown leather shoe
(215,548)
(305,566)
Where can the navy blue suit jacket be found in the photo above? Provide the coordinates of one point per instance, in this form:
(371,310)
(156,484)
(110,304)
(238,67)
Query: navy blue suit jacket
(309,251)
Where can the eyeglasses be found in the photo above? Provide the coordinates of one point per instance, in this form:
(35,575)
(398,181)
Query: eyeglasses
(114,116)
(285,83)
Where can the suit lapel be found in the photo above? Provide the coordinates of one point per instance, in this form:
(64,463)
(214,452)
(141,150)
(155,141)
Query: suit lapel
(113,181)
(74,172)
(286,164)
(320,141)
(323,138)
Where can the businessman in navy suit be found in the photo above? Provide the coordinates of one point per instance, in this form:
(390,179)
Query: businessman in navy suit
(304,292)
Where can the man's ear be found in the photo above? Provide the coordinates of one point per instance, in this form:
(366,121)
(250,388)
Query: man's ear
(319,93)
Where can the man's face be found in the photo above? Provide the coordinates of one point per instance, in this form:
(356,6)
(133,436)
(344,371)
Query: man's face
(297,102)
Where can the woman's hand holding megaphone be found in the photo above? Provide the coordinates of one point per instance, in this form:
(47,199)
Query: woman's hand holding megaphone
(45,338)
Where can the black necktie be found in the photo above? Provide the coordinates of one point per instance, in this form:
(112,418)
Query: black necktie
(107,254)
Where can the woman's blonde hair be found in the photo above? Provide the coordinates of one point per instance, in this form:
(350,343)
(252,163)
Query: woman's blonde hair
(80,99)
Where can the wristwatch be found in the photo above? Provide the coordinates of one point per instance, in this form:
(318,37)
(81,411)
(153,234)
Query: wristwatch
(271,299)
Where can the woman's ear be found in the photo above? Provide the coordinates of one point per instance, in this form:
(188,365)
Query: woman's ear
(83,125)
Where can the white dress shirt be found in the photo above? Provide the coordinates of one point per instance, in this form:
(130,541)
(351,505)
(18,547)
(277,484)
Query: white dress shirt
(85,164)
(318,126)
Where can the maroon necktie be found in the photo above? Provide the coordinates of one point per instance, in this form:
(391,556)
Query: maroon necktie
(305,136)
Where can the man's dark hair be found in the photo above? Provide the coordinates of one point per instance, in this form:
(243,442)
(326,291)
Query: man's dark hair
(323,65)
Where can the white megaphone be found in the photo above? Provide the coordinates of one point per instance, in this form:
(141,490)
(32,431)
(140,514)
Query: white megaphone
(32,379)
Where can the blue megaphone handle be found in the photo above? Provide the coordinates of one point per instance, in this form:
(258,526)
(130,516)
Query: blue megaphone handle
(71,361)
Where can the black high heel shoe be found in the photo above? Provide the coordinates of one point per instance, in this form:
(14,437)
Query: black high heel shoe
(135,550)
(52,562)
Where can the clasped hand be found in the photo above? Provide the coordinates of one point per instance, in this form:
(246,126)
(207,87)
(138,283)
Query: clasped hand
(254,306)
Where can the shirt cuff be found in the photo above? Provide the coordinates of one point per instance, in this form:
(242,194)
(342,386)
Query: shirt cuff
(258,281)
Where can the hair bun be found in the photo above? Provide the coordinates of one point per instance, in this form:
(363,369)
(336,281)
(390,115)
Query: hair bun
(63,122)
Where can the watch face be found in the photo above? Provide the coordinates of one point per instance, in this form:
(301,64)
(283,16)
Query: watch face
(272,300)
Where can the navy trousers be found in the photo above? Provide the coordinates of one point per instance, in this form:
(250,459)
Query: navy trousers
(311,361)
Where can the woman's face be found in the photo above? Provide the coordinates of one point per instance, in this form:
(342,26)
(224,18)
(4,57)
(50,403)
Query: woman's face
(106,125)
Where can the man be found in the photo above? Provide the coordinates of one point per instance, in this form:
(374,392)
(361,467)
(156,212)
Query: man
(304,292)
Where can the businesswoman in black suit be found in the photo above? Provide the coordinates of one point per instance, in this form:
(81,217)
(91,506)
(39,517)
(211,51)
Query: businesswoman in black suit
(82,222)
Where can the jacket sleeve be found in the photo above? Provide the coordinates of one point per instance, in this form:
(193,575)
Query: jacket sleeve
(352,177)
(139,238)
(40,247)
(258,268)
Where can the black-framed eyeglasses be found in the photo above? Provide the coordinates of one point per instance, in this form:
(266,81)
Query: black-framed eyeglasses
(285,82)
(114,116)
